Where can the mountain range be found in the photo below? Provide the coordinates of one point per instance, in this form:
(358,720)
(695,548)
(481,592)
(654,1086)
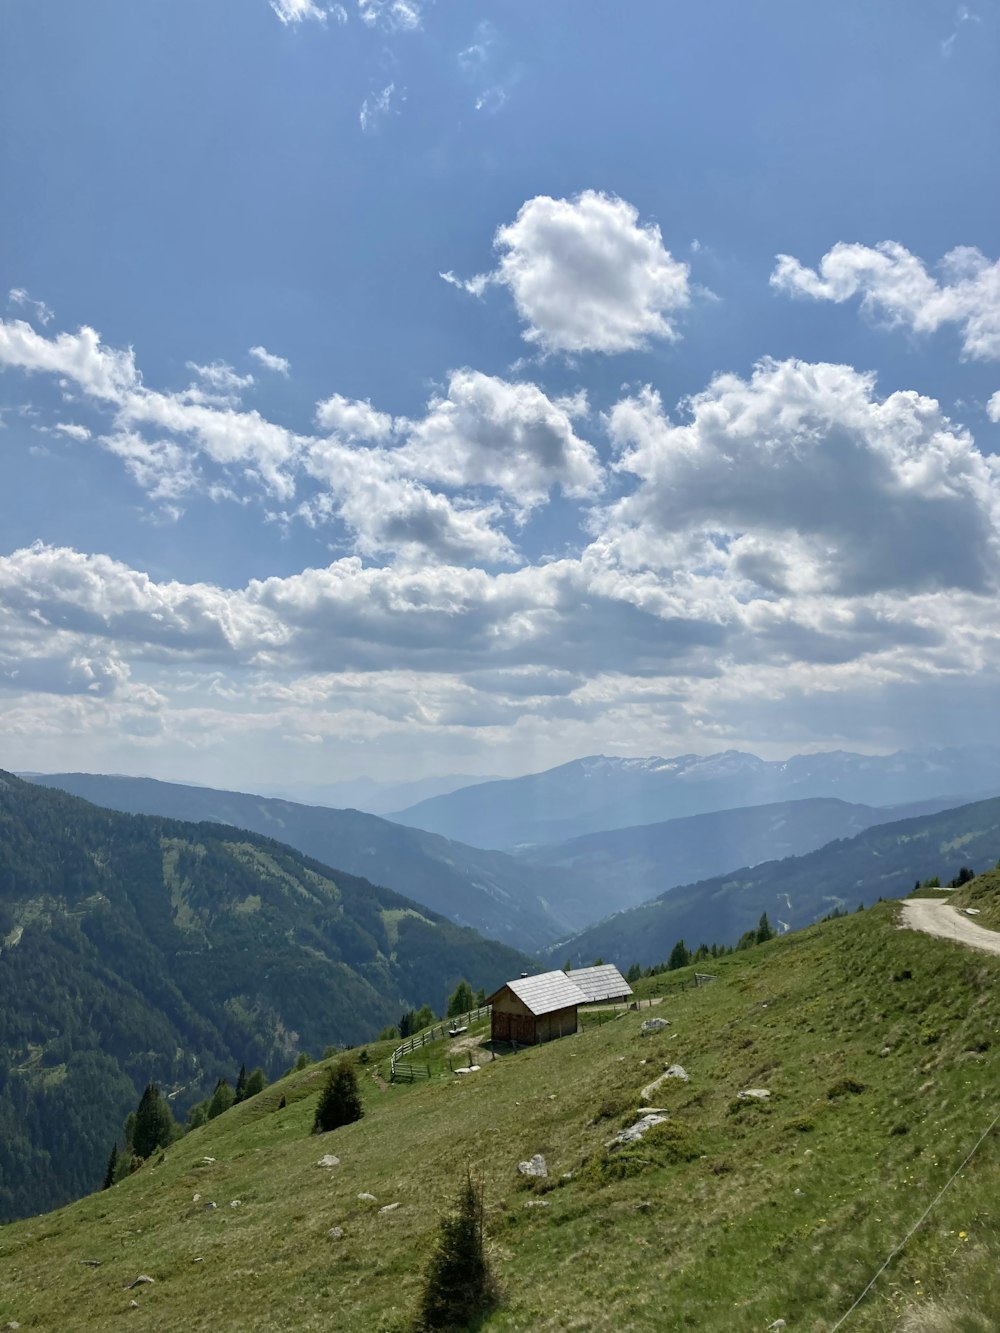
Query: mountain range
(882,862)
(598,793)
(134,948)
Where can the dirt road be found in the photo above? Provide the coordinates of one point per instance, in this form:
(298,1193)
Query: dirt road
(936,916)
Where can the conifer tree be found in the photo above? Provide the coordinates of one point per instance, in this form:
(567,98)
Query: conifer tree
(241,1085)
(109,1174)
(154,1126)
(459,1285)
(222,1099)
(256,1082)
(461,1000)
(340,1101)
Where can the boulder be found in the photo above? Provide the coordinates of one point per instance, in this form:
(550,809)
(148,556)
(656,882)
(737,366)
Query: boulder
(655,1024)
(367,1198)
(336,1233)
(141,1281)
(389,1207)
(674,1071)
(753,1094)
(328,1159)
(635,1132)
(535,1167)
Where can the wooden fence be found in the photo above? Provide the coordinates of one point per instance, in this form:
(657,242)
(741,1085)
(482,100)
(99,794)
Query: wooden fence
(398,1071)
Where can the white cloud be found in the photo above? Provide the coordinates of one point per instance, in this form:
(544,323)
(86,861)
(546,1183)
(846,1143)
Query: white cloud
(993,407)
(390,512)
(297,11)
(802,482)
(101,371)
(354,419)
(489,432)
(222,379)
(391,15)
(586,275)
(270,361)
(377,106)
(74,431)
(895,284)
(19,296)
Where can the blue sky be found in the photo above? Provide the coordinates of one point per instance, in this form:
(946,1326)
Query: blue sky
(395,387)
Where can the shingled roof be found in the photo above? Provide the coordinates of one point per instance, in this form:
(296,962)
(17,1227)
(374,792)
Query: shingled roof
(600,983)
(545,993)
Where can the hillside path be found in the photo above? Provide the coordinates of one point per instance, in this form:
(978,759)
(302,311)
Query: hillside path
(936,916)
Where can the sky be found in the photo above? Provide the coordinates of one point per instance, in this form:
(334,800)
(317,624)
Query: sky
(406,387)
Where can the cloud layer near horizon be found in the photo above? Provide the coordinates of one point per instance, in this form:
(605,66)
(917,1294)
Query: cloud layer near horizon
(776,539)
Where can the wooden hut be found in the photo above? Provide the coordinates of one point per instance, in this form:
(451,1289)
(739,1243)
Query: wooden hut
(530,1010)
(602,984)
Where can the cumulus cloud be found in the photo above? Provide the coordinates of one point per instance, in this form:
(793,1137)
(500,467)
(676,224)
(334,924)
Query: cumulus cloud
(297,11)
(896,286)
(100,371)
(993,407)
(802,481)
(486,431)
(355,419)
(270,361)
(586,275)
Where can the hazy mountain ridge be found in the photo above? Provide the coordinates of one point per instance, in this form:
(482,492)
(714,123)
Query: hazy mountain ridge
(600,792)
(134,948)
(882,862)
(492,892)
(636,864)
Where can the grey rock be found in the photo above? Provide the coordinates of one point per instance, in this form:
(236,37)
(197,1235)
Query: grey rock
(11,1323)
(336,1233)
(367,1198)
(635,1132)
(753,1094)
(91,1263)
(674,1071)
(655,1024)
(210,1204)
(535,1167)
(389,1207)
(778,1323)
(142,1280)
(133,1305)
(328,1159)
(235,1203)
(537,1203)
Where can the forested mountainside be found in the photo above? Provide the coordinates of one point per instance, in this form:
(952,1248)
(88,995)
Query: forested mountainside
(490,891)
(608,792)
(882,862)
(637,864)
(135,948)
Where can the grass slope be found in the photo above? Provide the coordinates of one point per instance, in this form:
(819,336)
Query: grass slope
(882,862)
(878,1047)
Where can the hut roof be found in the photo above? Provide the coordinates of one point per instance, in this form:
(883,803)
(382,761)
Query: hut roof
(600,983)
(546,992)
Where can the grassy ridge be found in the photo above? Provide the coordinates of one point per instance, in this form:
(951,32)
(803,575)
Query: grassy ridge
(878,1047)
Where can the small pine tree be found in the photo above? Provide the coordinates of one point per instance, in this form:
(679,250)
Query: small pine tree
(680,956)
(633,974)
(459,1285)
(256,1082)
(340,1101)
(154,1125)
(112,1168)
(764,931)
(241,1085)
(221,1100)
(461,1000)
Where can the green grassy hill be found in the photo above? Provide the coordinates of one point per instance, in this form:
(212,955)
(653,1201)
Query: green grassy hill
(134,948)
(878,1048)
